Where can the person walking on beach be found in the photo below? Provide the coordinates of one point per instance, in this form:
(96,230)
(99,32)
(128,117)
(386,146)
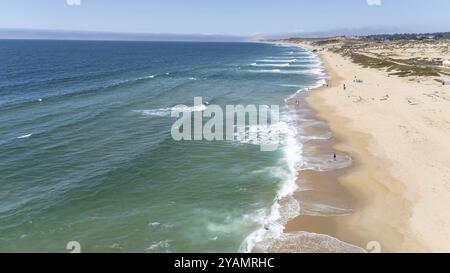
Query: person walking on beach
(345,87)
(335,157)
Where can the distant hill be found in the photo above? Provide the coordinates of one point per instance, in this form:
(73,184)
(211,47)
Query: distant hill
(37,34)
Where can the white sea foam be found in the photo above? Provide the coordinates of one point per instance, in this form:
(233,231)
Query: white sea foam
(285,206)
(158,246)
(290,85)
(306,242)
(154,224)
(143,78)
(159,225)
(315,71)
(263,135)
(165,112)
(197,108)
(154,112)
(271,237)
(265,71)
(121,82)
(293,96)
(277,61)
(286,57)
(24,136)
(231,223)
(271,65)
(306,65)
(319,83)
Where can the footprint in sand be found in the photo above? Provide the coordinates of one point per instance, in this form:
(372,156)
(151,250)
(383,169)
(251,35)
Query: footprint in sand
(385,98)
(434,96)
(413,134)
(413,101)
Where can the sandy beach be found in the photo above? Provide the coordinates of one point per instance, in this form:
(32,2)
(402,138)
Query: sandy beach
(396,130)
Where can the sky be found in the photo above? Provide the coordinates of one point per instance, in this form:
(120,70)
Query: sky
(225,17)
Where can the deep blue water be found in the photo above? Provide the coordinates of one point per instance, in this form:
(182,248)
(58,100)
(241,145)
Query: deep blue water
(86,152)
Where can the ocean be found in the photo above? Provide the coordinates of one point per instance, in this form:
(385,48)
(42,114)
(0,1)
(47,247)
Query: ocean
(86,152)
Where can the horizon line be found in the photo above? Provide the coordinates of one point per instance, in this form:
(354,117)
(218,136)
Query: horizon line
(91,35)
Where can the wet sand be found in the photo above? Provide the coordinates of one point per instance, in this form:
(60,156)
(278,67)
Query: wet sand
(324,201)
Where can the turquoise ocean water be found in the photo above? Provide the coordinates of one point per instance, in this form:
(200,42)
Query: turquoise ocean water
(86,152)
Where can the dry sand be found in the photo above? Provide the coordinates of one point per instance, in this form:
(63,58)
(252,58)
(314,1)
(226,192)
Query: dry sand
(397,131)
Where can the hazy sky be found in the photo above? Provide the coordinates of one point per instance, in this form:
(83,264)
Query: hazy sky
(238,17)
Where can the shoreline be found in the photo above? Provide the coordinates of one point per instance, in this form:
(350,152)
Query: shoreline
(393,196)
(364,187)
(395,199)
(279,235)
(326,202)
(368,221)
(321,199)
